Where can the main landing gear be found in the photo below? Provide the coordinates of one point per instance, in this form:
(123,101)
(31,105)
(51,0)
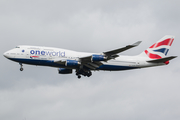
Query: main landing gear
(21,68)
(79,76)
(83,72)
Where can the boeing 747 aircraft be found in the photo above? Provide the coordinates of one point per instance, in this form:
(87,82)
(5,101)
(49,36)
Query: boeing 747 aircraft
(83,63)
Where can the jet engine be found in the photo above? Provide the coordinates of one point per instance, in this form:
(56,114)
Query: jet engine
(65,71)
(98,58)
(72,63)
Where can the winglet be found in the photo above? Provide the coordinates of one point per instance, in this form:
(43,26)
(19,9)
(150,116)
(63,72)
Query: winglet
(137,43)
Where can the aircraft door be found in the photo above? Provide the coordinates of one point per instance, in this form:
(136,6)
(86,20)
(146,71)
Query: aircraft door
(27,54)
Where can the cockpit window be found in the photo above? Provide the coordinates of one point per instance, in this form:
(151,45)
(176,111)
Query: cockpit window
(17,47)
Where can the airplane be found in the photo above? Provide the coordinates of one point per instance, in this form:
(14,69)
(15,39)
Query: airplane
(84,63)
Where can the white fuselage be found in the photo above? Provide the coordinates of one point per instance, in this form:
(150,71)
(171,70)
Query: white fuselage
(46,56)
(84,63)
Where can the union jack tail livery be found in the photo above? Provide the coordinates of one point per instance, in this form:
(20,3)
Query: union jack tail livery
(159,49)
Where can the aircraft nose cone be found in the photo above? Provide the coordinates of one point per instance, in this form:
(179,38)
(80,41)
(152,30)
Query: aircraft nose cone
(5,55)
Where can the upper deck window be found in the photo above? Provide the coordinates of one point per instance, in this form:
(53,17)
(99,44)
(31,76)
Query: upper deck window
(17,47)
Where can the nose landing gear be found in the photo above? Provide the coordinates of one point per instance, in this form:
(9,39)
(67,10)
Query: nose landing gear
(21,68)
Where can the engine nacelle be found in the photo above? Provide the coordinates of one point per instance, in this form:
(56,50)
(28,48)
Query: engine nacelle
(72,63)
(98,58)
(65,71)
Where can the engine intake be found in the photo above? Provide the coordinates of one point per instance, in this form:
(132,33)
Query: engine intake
(98,58)
(65,71)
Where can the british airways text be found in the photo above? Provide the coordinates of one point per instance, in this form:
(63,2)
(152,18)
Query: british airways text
(50,53)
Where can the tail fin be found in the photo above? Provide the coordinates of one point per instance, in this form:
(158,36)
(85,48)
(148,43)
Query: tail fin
(159,49)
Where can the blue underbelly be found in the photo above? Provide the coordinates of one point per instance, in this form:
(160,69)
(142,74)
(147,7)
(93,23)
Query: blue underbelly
(51,63)
(115,67)
(37,62)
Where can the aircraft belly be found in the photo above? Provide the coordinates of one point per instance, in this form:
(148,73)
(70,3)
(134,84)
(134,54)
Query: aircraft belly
(118,65)
(37,62)
(115,67)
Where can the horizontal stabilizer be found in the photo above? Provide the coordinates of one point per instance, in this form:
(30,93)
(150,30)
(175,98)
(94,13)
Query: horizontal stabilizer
(162,60)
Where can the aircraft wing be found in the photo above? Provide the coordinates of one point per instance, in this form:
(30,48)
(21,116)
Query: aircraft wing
(60,61)
(116,51)
(111,54)
(92,64)
(88,62)
(85,61)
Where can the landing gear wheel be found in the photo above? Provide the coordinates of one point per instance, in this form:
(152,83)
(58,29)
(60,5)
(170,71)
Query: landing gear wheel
(79,76)
(89,73)
(21,69)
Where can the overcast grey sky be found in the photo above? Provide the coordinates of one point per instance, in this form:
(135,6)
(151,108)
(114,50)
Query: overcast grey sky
(40,93)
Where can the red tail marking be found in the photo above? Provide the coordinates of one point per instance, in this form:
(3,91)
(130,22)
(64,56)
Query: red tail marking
(152,56)
(171,41)
(165,42)
(153,45)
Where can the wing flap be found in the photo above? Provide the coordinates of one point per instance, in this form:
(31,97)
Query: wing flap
(89,66)
(93,65)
